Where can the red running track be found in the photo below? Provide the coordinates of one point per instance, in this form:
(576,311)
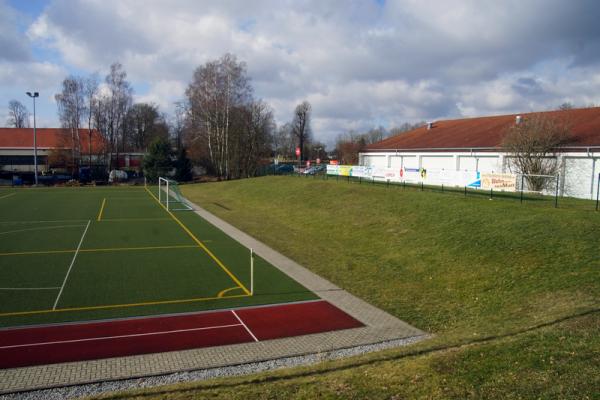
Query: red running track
(87,341)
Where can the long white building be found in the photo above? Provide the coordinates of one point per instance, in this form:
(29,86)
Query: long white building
(474,144)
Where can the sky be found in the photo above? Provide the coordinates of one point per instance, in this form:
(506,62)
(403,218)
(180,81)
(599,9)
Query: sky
(360,64)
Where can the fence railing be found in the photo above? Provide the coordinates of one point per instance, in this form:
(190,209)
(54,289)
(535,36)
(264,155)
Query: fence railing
(524,194)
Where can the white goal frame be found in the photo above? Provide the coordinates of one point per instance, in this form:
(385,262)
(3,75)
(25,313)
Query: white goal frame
(164,183)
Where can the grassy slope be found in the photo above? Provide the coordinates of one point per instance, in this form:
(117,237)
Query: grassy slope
(479,274)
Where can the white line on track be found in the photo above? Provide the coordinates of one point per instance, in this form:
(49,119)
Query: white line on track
(29,288)
(71,266)
(247,329)
(118,336)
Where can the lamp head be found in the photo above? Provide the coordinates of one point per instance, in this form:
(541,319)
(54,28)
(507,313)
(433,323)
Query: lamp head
(35,94)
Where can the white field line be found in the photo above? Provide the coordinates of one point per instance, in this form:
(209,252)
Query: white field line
(43,222)
(29,288)
(118,336)
(8,195)
(247,329)
(41,228)
(71,266)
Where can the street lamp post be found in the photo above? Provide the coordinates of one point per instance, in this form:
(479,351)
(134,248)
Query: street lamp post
(35,168)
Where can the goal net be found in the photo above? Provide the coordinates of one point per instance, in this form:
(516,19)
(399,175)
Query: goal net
(170,196)
(539,184)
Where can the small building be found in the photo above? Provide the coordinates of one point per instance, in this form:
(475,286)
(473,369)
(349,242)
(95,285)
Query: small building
(55,151)
(475,144)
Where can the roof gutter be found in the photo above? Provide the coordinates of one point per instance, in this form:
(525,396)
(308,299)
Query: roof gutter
(588,149)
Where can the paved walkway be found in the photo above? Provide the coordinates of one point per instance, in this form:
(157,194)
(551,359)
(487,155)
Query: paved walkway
(379,327)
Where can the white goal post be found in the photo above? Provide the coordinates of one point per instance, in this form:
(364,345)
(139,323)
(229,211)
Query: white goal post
(170,196)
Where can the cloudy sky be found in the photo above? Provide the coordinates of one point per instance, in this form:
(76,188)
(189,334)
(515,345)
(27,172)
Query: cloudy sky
(359,63)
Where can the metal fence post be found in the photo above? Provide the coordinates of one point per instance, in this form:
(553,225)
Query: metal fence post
(521,188)
(556,191)
(598,192)
(465,191)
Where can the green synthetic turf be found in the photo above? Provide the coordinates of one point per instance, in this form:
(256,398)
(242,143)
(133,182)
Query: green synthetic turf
(136,253)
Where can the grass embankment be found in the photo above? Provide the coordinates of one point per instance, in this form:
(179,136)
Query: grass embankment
(511,292)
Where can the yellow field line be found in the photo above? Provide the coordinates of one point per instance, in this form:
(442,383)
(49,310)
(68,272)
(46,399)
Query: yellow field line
(25,253)
(222,292)
(8,195)
(107,307)
(202,246)
(101,209)
(134,219)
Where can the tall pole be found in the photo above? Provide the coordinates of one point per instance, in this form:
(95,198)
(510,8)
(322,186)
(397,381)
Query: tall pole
(35,167)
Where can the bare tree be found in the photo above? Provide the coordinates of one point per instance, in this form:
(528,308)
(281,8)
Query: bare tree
(143,123)
(218,89)
(255,137)
(533,144)
(90,93)
(566,106)
(71,110)
(118,101)
(284,142)
(405,127)
(177,123)
(301,125)
(348,146)
(18,116)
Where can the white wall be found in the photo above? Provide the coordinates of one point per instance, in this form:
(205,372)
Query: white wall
(579,176)
(379,160)
(438,162)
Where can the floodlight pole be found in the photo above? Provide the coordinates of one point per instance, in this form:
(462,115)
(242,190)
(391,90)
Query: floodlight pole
(35,167)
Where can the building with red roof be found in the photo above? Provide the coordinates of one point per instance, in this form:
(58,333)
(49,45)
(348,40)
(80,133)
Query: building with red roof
(55,150)
(16,148)
(475,144)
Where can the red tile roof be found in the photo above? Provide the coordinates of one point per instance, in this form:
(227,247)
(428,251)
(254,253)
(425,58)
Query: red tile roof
(488,132)
(47,138)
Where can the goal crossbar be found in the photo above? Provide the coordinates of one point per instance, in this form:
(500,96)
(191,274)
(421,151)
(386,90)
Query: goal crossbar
(170,196)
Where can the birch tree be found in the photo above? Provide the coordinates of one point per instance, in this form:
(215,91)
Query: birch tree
(117,102)
(71,109)
(90,93)
(218,88)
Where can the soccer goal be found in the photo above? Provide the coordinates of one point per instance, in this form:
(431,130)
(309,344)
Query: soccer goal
(170,196)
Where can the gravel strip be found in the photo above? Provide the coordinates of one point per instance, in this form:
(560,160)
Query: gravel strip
(72,392)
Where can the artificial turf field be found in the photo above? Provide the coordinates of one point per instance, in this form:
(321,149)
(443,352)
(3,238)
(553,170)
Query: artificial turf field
(80,254)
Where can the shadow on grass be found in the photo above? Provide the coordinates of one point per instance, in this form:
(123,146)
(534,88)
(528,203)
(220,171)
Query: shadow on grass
(361,363)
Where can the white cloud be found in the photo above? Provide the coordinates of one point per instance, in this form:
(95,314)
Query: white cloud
(358,62)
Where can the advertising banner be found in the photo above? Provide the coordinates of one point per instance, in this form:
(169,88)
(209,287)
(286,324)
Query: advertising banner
(506,182)
(332,169)
(472,179)
(344,170)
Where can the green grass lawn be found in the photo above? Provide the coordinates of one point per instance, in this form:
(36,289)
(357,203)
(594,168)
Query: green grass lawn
(511,292)
(73,254)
